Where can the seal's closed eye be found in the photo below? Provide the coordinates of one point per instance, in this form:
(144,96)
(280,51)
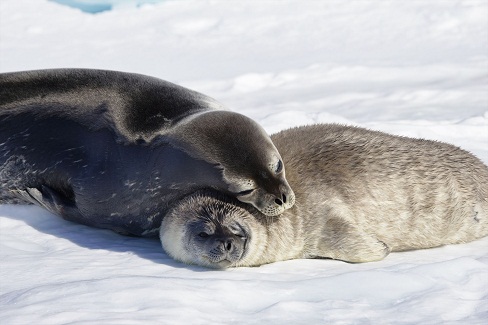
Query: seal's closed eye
(246,192)
(203,235)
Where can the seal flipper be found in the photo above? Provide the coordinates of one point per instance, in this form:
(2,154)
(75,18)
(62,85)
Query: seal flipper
(343,240)
(61,203)
(52,200)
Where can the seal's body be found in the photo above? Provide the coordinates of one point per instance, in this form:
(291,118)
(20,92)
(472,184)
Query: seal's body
(114,150)
(359,195)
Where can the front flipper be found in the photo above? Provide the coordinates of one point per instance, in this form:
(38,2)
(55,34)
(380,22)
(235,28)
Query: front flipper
(344,241)
(52,200)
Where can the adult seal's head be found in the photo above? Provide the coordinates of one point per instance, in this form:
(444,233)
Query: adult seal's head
(251,165)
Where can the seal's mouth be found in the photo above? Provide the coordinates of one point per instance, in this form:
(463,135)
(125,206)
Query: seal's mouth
(221,263)
(224,264)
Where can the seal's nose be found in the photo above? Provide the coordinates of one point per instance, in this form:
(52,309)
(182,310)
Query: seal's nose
(226,243)
(282,200)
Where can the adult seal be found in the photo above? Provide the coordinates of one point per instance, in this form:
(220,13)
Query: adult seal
(114,150)
(360,194)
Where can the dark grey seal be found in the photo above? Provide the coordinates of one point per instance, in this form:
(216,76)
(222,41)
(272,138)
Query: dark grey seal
(114,150)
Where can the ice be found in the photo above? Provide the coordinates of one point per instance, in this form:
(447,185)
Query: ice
(97,6)
(413,68)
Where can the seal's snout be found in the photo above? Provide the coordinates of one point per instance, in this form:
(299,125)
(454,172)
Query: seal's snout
(282,194)
(224,250)
(287,196)
(227,243)
(281,201)
(272,203)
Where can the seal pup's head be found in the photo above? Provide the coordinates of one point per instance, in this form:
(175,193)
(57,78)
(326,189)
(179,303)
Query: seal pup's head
(212,230)
(251,165)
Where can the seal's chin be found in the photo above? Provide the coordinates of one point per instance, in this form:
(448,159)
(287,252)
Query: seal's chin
(224,264)
(221,263)
(224,260)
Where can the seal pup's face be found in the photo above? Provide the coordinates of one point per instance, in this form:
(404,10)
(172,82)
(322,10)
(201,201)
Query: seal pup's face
(206,229)
(251,166)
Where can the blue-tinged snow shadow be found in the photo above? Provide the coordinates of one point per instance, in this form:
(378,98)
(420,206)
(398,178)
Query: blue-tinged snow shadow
(97,6)
(88,237)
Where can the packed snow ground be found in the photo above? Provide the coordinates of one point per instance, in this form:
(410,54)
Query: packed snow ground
(415,68)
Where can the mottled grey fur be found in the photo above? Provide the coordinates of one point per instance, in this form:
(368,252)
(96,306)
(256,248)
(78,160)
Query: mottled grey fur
(360,194)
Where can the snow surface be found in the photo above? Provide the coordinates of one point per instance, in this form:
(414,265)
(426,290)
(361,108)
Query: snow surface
(415,68)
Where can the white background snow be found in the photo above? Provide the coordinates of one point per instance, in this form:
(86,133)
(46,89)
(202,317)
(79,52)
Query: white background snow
(415,68)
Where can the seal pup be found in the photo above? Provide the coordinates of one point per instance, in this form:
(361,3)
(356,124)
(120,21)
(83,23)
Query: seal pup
(360,194)
(114,150)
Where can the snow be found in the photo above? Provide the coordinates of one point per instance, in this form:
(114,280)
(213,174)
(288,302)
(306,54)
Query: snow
(415,68)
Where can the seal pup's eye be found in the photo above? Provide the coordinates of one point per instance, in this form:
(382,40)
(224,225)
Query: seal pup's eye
(203,235)
(238,231)
(279,167)
(241,235)
(246,192)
